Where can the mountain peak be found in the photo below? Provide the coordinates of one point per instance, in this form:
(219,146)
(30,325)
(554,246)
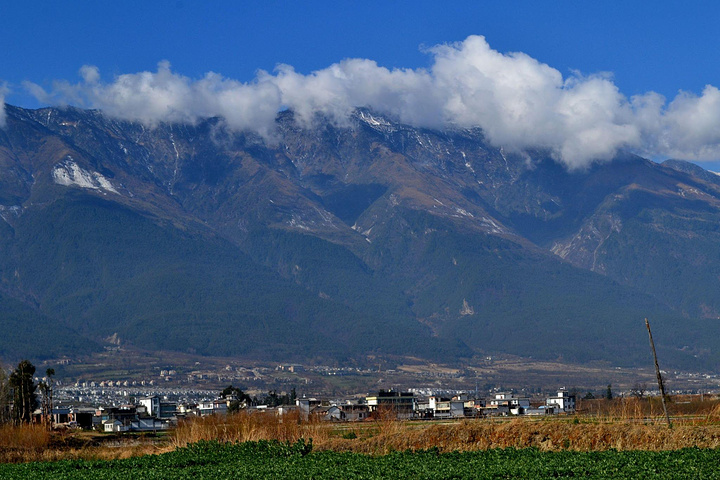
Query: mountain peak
(342,241)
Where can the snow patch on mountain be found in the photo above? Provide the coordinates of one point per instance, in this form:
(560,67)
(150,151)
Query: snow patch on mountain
(10,211)
(69,173)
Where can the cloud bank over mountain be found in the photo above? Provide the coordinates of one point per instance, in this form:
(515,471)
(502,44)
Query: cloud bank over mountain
(518,101)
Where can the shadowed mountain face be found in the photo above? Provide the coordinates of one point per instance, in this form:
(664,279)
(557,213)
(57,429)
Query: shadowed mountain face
(345,241)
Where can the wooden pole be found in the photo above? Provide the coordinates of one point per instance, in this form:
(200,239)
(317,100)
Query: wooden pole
(657,372)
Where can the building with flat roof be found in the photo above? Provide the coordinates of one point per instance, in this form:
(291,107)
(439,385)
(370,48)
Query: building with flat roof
(404,404)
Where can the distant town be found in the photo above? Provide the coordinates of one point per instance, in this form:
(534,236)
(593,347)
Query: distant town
(155,412)
(158,403)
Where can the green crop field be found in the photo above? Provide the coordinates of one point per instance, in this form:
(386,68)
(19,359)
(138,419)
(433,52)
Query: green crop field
(272,460)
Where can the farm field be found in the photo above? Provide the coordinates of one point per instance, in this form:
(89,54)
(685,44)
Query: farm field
(271,459)
(623,438)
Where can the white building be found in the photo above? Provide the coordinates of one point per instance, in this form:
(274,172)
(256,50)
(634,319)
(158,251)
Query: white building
(152,405)
(206,407)
(114,426)
(563,401)
(514,405)
(442,408)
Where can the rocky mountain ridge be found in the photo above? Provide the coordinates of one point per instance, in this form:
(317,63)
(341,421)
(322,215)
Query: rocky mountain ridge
(348,240)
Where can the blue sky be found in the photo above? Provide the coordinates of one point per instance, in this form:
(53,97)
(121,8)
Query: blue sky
(659,46)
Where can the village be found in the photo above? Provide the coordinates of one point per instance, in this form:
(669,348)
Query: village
(153,413)
(158,401)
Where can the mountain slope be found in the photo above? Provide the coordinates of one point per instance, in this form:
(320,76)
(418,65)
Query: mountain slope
(344,241)
(118,273)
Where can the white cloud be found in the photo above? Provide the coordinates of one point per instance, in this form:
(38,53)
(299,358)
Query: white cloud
(335,91)
(3,116)
(692,125)
(518,101)
(521,103)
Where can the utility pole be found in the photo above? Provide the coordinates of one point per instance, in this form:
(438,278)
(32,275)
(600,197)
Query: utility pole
(657,372)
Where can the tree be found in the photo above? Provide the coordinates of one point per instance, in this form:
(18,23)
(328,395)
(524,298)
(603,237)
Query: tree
(238,398)
(24,398)
(638,390)
(46,390)
(608,393)
(5,395)
(273,399)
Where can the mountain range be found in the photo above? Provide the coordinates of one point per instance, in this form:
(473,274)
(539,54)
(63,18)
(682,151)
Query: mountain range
(340,242)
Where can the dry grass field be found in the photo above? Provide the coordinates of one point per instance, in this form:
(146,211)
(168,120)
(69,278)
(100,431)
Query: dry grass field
(34,443)
(620,424)
(630,424)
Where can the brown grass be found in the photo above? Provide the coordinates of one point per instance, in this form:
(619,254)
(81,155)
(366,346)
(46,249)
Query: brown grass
(687,409)
(622,424)
(547,435)
(245,427)
(626,427)
(25,441)
(30,443)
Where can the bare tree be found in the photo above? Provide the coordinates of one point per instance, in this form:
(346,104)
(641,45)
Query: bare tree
(5,395)
(639,390)
(46,390)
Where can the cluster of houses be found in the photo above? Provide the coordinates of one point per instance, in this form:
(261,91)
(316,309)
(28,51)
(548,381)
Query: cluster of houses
(153,414)
(150,414)
(405,405)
